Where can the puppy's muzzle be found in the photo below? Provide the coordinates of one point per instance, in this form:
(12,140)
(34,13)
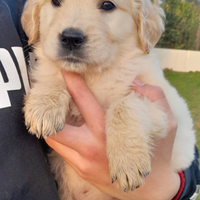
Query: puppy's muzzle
(72,39)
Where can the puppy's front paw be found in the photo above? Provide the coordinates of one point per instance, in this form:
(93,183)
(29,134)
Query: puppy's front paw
(129,168)
(44,115)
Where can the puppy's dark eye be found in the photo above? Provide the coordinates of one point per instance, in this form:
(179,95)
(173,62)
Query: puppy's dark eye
(107,5)
(56,2)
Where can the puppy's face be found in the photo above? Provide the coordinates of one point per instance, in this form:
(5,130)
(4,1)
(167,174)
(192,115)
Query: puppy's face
(82,33)
(79,34)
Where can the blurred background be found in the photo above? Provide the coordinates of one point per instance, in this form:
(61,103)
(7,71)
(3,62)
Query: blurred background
(182,25)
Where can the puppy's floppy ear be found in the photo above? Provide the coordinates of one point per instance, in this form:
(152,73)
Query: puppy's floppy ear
(30,20)
(149,19)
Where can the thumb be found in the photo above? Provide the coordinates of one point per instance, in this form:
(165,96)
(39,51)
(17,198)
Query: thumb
(86,102)
(157,95)
(153,93)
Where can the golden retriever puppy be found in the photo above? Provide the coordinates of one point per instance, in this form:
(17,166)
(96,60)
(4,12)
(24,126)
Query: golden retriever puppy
(109,44)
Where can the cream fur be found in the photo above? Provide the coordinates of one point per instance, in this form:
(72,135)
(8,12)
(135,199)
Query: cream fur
(116,52)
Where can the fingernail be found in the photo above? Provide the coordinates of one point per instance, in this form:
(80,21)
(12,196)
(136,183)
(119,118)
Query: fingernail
(138,82)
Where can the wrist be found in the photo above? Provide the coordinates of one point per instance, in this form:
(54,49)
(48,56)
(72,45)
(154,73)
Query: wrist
(160,184)
(177,183)
(170,185)
(157,186)
(182,184)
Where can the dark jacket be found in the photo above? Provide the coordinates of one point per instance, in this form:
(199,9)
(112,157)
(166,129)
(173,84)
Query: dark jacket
(24,171)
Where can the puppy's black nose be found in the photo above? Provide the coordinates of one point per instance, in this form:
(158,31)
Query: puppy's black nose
(72,39)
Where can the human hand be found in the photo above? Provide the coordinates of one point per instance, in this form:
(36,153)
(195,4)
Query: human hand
(162,175)
(84,148)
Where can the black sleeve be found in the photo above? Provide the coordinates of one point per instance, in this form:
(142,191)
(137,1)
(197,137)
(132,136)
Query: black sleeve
(192,178)
(24,171)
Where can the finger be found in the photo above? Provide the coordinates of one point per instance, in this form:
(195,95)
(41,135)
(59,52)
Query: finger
(76,138)
(74,159)
(71,156)
(65,151)
(153,93)
(87,104)
(156,94)
(70,136)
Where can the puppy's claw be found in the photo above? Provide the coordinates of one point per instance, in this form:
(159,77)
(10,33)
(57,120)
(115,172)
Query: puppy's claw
(27,125)
(37,135)
(132,188)
(125,189)
(45,135)
(145,175)
(59,128)
(113,178)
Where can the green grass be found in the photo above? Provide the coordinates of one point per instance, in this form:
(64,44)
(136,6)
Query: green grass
(188,86)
